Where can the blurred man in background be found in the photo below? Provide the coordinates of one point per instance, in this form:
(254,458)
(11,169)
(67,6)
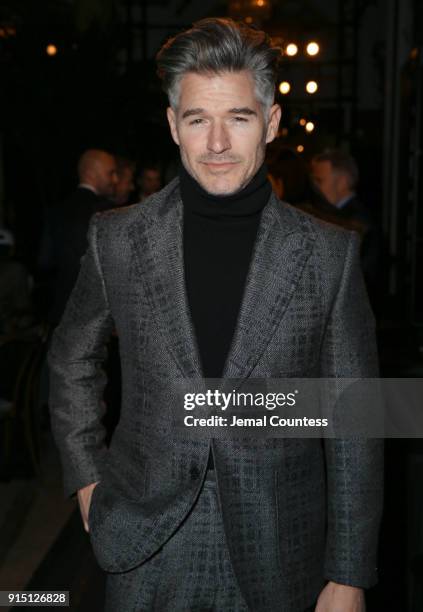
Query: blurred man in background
(125,169)
(149,181)
(335,175)
(97,175)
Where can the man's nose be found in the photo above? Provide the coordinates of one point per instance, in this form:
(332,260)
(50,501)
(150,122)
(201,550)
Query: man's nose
(218,139)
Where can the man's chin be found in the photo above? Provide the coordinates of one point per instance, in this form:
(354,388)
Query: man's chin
(220,187)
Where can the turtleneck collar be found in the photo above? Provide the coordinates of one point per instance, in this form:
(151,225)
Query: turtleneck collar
(247,202)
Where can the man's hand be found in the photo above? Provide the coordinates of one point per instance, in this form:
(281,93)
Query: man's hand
(84,499)
(341,598)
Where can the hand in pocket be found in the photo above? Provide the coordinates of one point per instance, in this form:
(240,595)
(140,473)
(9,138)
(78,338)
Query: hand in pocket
(84,500)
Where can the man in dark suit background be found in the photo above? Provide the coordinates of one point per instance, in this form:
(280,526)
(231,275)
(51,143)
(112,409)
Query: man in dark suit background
(216,277)
(68,232)
(335,175)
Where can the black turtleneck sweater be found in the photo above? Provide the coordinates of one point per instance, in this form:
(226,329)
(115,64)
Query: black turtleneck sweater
(219,236)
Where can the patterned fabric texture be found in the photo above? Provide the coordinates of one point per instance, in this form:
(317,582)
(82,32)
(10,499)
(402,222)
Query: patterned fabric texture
(191,572)
(295,512)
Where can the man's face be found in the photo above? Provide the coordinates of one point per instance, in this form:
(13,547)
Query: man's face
(220,129)
(125,186)
(106,176)
(331,184)
(150,181)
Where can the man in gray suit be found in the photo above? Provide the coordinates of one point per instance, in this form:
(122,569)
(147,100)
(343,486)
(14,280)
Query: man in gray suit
(215,277)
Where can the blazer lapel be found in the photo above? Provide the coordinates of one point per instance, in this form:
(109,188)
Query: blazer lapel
(157,241)
(281,250)
(280,253)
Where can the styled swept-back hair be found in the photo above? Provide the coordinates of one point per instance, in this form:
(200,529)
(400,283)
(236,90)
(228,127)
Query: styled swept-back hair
(217,45)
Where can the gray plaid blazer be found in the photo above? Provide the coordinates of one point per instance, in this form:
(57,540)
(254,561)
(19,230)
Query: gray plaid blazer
(296,512)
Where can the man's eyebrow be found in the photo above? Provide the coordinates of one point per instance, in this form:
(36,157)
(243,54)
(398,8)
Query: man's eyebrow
(192,111)
(244,110)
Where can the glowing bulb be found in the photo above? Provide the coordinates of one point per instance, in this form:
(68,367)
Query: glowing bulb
(284,87)
(312,87)
(312,48)
(303,121)
(309,126)
(51,50)
(291,49)
(300,149)
(260,2)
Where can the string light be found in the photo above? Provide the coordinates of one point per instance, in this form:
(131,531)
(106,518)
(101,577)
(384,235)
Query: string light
(300,148)
(51,50)
(309,126)
(302,121)
(312,87)
(284,87)
(291,49)
(312,48)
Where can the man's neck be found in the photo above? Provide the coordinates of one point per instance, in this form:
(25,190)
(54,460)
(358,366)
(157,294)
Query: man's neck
(250,200)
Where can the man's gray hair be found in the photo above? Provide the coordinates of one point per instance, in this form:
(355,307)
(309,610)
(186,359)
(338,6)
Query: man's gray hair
(215,46)
(341,162)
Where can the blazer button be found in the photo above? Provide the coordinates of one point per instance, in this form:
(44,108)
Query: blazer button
(194,473)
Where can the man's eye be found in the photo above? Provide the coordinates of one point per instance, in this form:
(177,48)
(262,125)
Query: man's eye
(196,121)
(240,120)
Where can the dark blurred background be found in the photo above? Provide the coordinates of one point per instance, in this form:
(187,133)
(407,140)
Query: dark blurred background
(80,74)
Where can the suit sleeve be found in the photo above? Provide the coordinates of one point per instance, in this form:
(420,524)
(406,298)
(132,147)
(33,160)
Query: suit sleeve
(77,352)
(354,466)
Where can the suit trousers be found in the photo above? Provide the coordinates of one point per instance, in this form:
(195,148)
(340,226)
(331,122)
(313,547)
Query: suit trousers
(192,572)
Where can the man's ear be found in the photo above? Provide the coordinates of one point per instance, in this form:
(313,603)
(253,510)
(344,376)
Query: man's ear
(273,122)
(171,117)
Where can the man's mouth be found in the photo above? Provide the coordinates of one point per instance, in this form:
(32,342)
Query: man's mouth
(224,165)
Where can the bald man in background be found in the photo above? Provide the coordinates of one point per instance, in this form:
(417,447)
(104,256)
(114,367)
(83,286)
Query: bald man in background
(97,174)
(95,192)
